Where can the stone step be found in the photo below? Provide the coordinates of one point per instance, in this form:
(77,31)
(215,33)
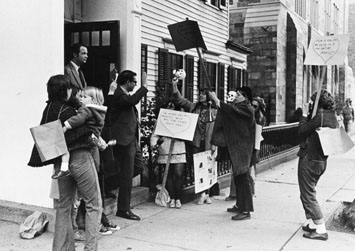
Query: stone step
(17,212)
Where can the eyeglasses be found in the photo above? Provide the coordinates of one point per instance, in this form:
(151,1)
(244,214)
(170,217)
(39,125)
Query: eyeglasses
(134,81)
(255,106)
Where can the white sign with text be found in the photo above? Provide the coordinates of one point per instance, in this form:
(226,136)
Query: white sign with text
(176,124)
(328,50)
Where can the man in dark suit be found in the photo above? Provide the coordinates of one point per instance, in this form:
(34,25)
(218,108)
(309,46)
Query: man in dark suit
(72,69)
(125,129)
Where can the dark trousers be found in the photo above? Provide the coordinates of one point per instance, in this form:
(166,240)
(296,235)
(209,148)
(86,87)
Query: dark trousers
(125,156)
(175,180)
(244,193)
(309,173)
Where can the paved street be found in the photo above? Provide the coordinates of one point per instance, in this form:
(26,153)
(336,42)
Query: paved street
(275,224)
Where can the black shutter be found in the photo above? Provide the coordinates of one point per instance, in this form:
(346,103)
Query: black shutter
(189,80)
(245,77)
(231,78)
(163,75)
(220,82)
(239,78)
(202,78)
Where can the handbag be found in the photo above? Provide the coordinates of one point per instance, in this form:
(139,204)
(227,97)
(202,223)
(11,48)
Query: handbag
(49,139)
(334,140)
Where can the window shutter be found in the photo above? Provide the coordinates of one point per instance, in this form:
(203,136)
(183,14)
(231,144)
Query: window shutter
(189,80)
(239,78)
(245,77)
(163,74)
(202,78)
(220,82)
(231,78)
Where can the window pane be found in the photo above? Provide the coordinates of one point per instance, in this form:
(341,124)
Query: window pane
(85,38)
(95,38)
(106,38)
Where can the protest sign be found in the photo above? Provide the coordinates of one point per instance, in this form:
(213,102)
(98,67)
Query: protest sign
(186,35)
(176,124)
(205,171)
(328,50)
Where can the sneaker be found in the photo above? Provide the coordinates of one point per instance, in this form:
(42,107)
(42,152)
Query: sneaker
(172,203)
(178,204)
(201,200)
(208,200)
(61,174)
(109,225)
(79,236)
(105,230)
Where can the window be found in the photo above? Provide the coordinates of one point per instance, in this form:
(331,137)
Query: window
(222,4)
(211,69)
(166,63)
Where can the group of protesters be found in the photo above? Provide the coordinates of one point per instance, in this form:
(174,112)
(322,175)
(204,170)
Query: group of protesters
(228,126)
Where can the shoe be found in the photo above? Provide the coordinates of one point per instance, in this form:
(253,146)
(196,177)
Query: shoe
(108,224)
(178,204)
(201,200)
(172,203)
(127,215)
(61,174)
(78,236)
(315,236)
(241,216)
(208,200)
(308,229)
(104,230)
(233,209)
(229,198)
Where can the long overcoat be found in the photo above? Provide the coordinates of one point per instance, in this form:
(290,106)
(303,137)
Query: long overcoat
(235,128)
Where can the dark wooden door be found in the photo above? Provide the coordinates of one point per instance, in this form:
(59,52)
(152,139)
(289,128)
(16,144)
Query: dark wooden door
(102,40)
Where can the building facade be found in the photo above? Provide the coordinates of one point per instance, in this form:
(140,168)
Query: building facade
(121,34)
(279,32)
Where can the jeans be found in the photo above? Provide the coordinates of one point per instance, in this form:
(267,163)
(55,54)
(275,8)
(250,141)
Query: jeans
(84,178)
(309,172)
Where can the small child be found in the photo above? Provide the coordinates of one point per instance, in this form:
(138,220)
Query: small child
(92,113)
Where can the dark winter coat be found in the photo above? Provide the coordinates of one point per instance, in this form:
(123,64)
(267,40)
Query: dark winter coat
(307,131)
(235,128)
(75,139)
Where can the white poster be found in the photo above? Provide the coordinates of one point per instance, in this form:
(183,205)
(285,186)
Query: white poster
(258,136)
(328,50)
(205,169)
(176,124)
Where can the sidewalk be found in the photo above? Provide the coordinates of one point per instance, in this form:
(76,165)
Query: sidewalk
(275,224)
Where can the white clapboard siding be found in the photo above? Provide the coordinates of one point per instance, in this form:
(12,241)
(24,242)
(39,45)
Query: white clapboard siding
(213,23)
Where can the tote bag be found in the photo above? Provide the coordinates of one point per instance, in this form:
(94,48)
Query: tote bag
(49,139)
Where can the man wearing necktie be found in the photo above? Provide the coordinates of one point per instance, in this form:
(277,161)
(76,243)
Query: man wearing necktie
(125,129)
(73,71)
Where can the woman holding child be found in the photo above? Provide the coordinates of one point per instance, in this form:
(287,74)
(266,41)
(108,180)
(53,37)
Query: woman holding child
(83,173)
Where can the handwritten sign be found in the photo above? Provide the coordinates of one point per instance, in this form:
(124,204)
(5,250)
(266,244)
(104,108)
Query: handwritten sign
(205,171)
(186,35)
(176,124)
(329,50)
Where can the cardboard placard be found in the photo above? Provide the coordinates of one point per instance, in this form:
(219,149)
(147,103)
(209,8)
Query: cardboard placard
(205,171)
(328,50)
(186,35)
(176,124)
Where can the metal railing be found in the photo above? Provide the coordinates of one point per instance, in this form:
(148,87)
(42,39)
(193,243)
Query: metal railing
(278,139)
